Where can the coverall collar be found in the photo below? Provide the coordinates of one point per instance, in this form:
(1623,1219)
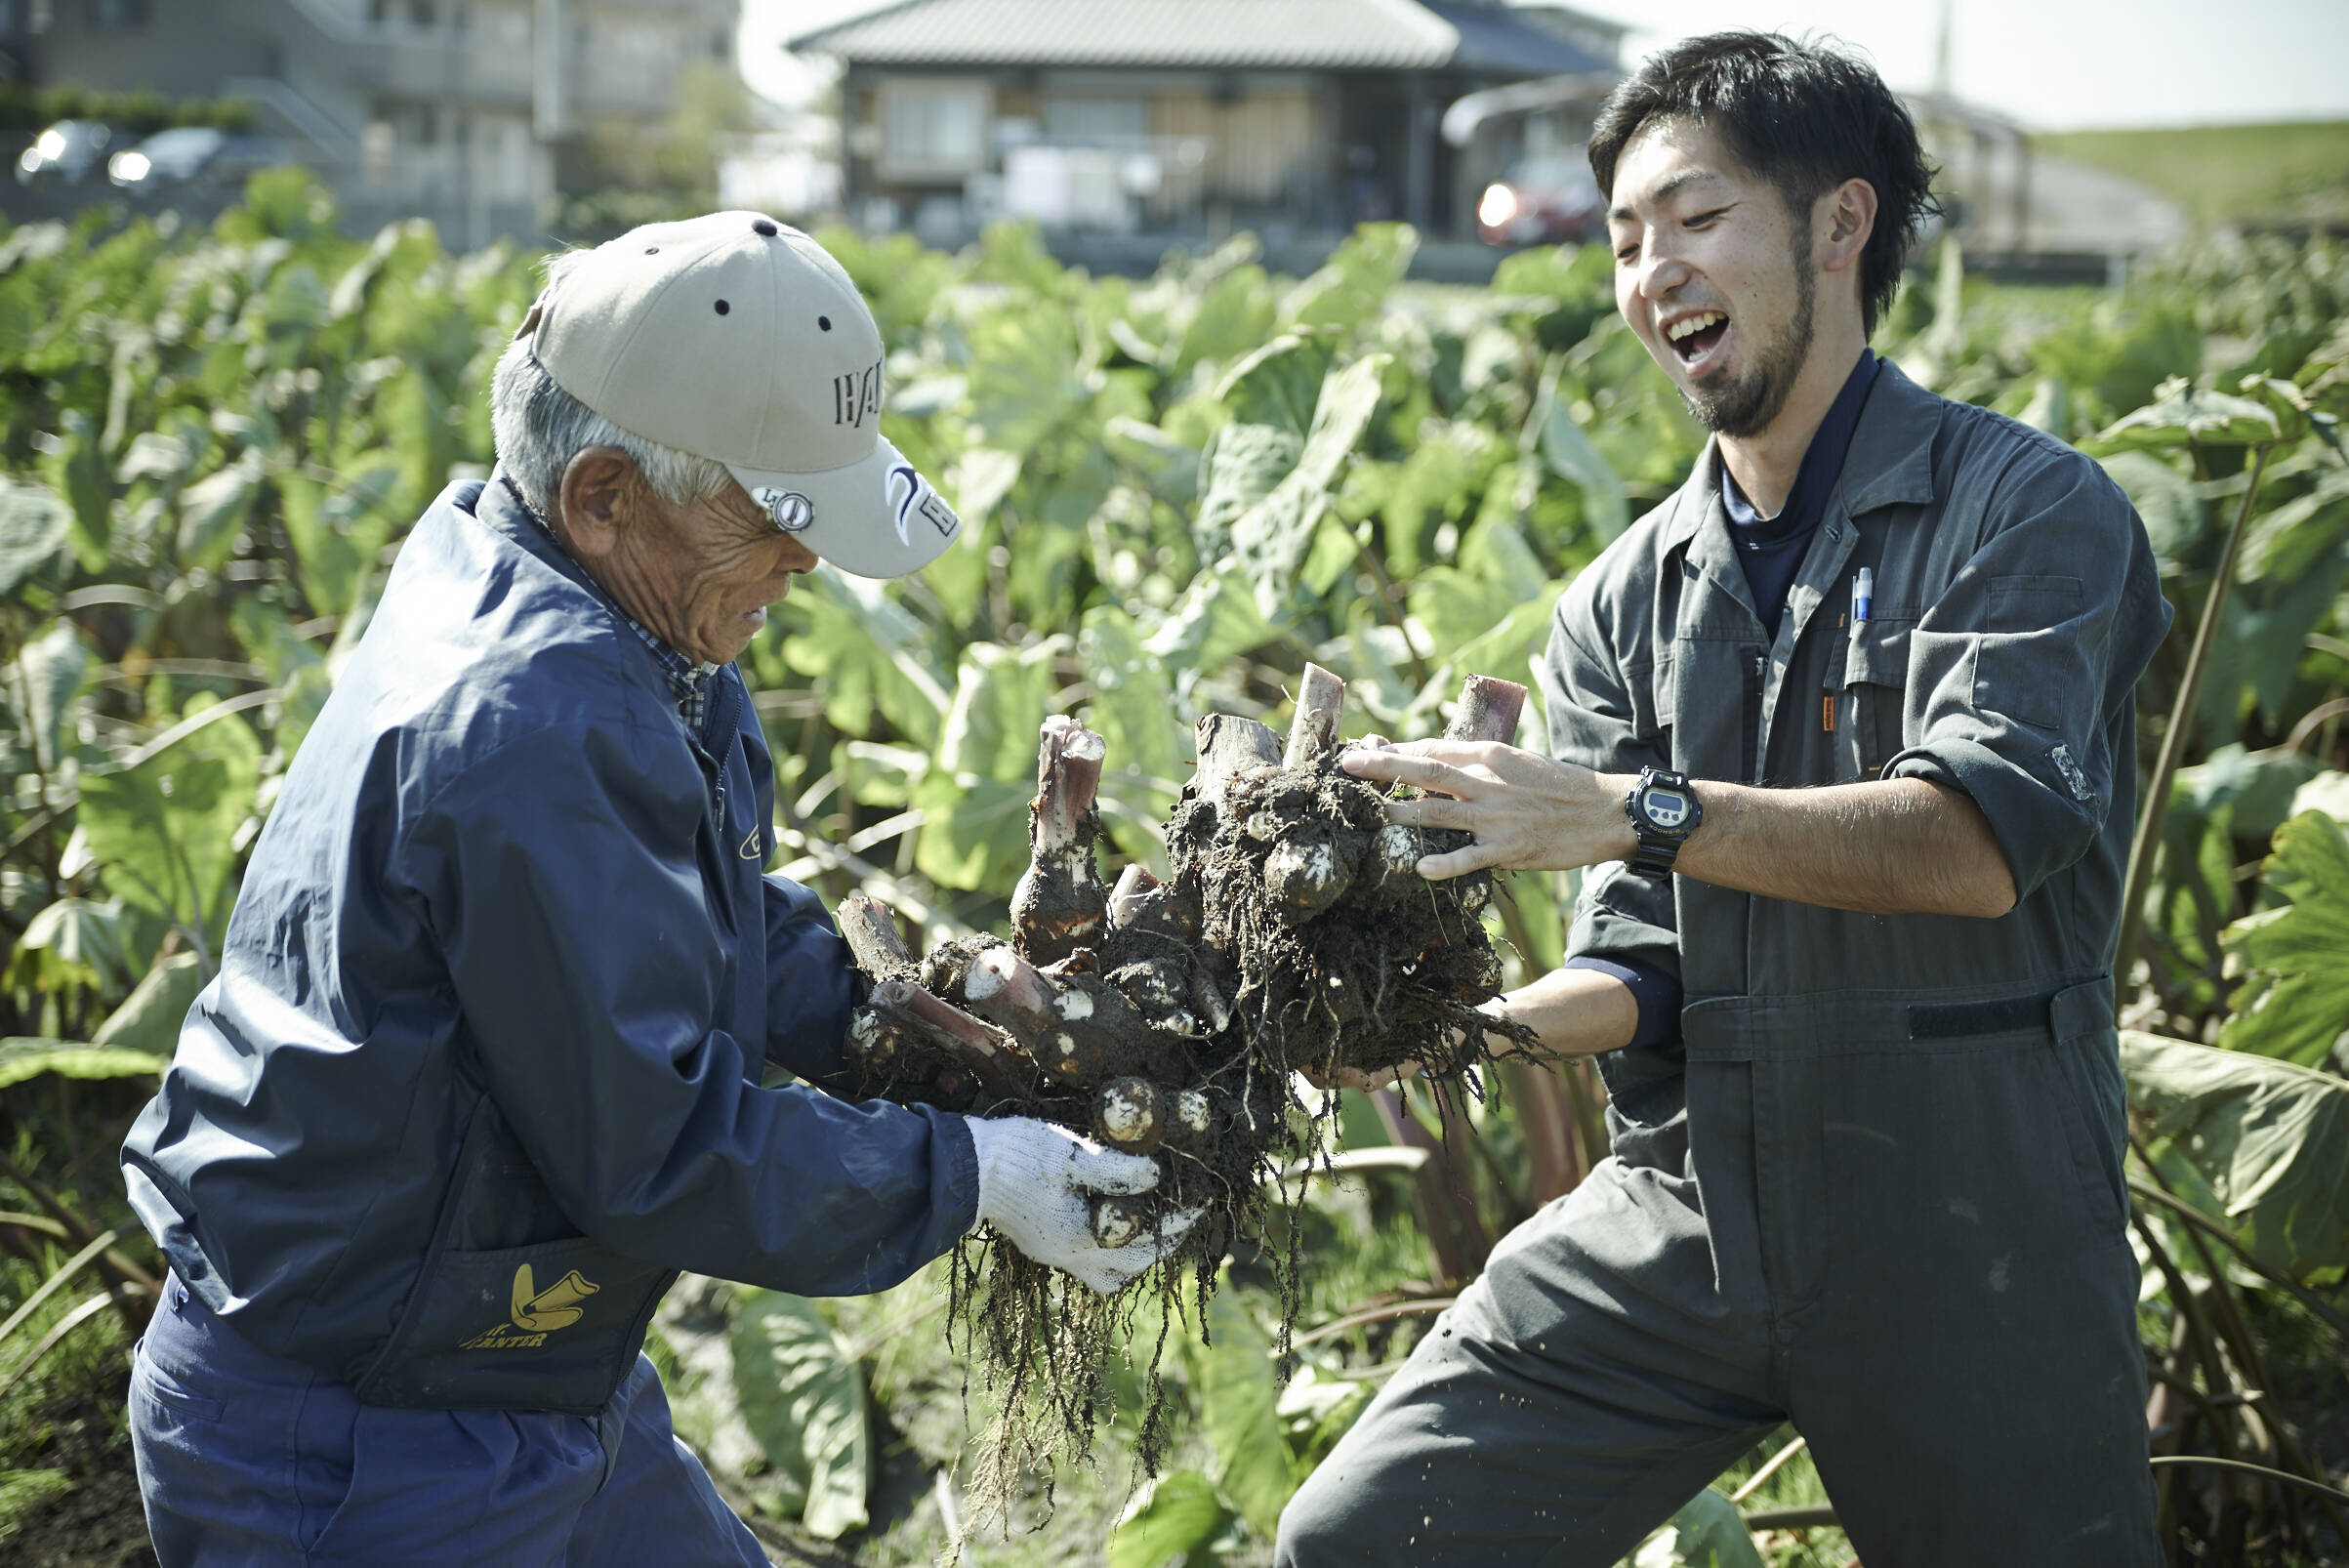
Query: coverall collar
(1890,461)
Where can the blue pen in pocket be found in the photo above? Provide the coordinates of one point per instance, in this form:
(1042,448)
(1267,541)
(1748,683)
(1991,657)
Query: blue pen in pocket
(1863,591)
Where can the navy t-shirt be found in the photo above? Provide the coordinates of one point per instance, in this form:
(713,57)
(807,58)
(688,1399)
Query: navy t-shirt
(1771,549)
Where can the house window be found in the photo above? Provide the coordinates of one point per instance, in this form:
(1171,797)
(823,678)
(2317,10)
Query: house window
(933,130)
(1096,121)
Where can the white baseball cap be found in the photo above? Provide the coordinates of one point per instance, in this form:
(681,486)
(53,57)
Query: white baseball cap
(738,338)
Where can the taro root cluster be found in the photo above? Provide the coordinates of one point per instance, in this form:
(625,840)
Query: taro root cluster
(1166,1018)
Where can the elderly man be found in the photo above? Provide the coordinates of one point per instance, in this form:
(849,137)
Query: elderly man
(482,1070)
(1844,728)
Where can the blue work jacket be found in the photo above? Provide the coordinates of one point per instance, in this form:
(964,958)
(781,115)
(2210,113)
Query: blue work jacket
(482,1067)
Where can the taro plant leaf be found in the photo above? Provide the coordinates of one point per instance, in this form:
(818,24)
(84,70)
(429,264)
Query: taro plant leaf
(1175,1518)
(2166,500)
(1279,384)
(1239,1407)
(2258,785)
(1215,617)
(75,467)
(165,830)
(1567,448)
(803,1395)
(23,1056)
(1134,710)
(47,677)
(336,531)
(1352,286)
(2294,1001)
(2270,1138)
(33,528)
(2180,414)
(1271,539)
(1707,1533)
(151,1016)
(1243,464)
(212,510)
(974,828)
(867,654)
(74,941)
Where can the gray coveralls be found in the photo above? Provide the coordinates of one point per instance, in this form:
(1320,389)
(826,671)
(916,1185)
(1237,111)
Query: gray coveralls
(1876,1188)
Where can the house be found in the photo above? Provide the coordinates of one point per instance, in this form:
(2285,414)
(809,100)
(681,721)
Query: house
(456,111)
(1180,117)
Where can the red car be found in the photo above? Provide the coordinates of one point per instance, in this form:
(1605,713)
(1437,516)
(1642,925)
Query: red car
(1541,202)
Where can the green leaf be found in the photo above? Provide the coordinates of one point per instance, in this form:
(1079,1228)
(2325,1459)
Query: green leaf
(76,469)
(74,941)
(1239,1412)
(2182,416)
(150,1017)
(165,831)
(2166,500)
(42,688)
(1134,710)
(974,831)
(2294,1004)
(866,653)
(1216,618)
(2257,785)
(2271,1141)
(212,510)
(1280,383)
(1707,1533)
(1243,464)
(1352,286)
(24,1056)
(1271,539)
(1176,1517)
(1566,447)
(803,1396)
(34,525)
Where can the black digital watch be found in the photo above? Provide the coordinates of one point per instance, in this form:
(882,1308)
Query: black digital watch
(1663,812)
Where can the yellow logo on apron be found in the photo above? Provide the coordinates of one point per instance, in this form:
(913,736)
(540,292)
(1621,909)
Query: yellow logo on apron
(536,1313)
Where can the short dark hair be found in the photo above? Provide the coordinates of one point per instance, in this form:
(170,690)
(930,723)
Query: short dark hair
(1804,116)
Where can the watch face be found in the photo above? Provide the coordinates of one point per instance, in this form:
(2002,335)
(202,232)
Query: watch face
(1667,808)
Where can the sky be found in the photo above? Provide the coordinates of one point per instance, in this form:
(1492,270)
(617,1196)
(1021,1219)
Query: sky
(2050,65)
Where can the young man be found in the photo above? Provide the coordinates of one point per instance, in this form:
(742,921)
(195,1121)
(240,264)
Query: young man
(1844,730)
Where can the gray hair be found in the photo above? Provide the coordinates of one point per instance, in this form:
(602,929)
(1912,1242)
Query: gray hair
(539,428)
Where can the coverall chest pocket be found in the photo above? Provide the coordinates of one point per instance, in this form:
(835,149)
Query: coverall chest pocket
(1864,698)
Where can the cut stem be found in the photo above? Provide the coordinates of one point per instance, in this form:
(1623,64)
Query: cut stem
(1320,711)
(1489,710)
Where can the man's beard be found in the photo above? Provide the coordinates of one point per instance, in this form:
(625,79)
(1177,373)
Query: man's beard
(1747,404)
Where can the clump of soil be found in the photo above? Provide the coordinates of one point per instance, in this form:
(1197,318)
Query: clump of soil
(1167,1019)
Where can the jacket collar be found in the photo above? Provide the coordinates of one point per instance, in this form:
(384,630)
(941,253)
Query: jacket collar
(1890,461)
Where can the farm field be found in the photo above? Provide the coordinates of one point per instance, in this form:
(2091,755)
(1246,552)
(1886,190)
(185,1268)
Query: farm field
(2223,174)
(1180,491)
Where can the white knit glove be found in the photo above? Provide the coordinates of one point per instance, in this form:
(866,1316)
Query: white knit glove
(1035,1182)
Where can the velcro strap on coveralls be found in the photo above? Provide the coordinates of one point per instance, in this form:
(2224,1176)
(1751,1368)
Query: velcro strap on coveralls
(1840,1023)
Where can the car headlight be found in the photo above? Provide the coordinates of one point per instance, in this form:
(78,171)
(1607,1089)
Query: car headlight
(1498,206)
(50,146)
(128,168)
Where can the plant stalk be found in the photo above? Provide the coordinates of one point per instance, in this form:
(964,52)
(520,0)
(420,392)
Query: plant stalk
(2147,845)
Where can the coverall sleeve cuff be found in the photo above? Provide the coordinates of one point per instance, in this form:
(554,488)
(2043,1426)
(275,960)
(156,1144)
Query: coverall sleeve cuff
(2040,830)
(956,1178)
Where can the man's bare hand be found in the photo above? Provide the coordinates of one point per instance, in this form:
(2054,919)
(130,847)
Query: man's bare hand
(1528,813)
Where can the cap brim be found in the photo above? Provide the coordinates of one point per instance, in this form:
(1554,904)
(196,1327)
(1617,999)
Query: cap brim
(876,516)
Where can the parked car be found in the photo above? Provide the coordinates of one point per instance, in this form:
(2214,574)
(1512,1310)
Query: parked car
(1541,202)
(191,155)
(68,150)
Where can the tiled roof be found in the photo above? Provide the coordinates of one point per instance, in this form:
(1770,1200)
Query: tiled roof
(1203,34)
